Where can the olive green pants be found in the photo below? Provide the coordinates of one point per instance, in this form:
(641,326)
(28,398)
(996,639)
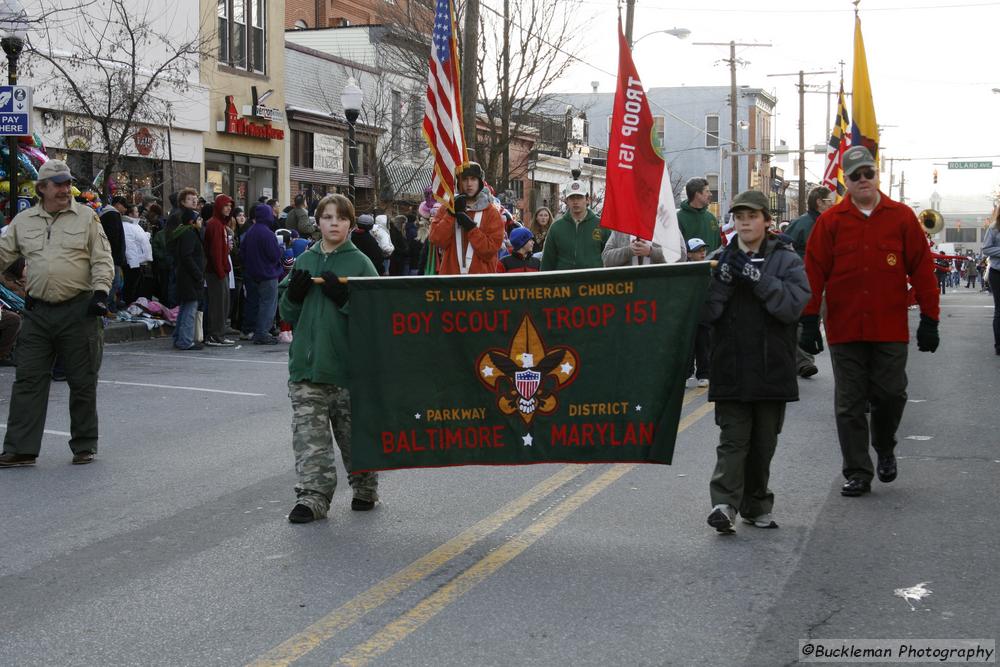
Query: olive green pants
(747,441)
(68,331)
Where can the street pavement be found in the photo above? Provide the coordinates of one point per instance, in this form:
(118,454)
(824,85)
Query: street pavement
(173,548)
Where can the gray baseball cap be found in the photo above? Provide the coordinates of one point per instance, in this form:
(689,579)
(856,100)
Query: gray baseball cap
(856,157)
(56,171)
(750,199)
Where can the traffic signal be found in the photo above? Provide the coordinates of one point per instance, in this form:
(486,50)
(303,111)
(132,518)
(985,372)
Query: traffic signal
(935,175)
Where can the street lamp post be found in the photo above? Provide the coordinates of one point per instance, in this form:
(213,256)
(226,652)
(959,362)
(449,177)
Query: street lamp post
(679,33)
(351,100)
(12,21)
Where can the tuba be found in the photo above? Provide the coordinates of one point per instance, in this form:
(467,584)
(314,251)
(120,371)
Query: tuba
(931,221)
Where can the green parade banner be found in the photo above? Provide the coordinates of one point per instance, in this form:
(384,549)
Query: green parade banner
(506,369)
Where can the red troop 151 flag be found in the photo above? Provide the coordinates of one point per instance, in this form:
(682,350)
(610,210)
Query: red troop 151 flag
(638,198)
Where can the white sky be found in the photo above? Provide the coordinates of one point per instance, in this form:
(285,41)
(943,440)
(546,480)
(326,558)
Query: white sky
(932,64)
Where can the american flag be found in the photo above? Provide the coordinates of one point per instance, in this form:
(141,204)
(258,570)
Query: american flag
(443,110)
(840,141)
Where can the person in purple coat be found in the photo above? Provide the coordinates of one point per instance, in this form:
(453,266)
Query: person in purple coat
(261,257)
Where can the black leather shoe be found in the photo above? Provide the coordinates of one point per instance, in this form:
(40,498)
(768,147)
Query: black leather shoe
(16,460)
(886,468)
(83,457)
(855,487)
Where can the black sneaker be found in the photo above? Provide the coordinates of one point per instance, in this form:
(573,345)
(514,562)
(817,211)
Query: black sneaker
(855,487)
(216,341)
(193,346)
(9,460)
(362,505)
(301,514)
(721,519)
(269,340)
(886,468)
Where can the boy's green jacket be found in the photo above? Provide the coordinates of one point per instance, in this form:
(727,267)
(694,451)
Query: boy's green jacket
(320,347)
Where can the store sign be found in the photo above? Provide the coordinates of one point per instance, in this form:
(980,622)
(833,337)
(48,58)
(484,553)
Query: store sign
(328,153)
(78,133)
(144,141)
(262,112)
(241,125)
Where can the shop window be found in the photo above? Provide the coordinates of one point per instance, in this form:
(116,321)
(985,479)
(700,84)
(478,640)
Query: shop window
(242,44)
(302,149)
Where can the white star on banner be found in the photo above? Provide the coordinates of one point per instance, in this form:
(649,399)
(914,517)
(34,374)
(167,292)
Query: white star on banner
(638,408)
(416,416)
(487,371)
(566,368)
(527,440)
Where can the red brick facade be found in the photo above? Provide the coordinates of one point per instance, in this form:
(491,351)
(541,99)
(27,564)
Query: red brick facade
(333,13)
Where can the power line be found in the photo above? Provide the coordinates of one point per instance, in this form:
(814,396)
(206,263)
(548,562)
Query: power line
(716,10)
(595,67)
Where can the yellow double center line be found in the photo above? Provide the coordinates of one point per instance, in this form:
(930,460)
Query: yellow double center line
(383,640)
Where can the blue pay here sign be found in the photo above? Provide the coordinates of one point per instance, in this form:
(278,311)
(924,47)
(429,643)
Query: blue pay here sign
(15,111)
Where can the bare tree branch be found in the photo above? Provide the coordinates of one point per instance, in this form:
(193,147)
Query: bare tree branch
(124,76)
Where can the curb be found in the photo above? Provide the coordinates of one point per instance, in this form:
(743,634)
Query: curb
(127,332)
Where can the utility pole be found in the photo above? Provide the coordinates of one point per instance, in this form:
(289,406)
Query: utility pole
(892,163)
(470,84)
(733,105)
(902,188)
(802,131)
(629,17)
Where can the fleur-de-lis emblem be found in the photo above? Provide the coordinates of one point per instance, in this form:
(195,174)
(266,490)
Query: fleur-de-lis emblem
(527,376)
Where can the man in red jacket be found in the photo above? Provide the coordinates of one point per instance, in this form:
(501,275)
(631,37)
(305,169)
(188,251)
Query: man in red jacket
(860,255)
(217,274)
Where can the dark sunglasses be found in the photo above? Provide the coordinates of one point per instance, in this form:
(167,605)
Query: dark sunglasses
(868,174)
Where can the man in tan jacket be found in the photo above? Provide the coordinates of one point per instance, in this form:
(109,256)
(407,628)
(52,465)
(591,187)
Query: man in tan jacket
(70,270)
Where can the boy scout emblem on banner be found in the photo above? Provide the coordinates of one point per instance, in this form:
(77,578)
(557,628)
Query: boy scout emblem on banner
(565,366)
(522,386)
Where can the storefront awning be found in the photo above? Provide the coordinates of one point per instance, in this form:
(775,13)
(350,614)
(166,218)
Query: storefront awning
(406,182)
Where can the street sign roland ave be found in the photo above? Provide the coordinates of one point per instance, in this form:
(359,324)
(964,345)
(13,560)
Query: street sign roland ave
(970,165)
(15,111)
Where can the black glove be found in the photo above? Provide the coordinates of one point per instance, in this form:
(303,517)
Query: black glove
(29,302)
(810,339)
(98,304)
(333,289)
(460,203)
(927,334)
(298,285)
(738,261)
(465,222)
(750,271)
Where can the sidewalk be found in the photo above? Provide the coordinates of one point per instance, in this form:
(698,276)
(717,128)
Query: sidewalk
(127,332)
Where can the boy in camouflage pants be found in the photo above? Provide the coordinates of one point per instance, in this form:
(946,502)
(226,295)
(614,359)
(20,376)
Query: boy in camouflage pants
(318,363)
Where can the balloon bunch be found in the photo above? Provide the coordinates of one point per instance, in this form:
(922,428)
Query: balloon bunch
(31,156)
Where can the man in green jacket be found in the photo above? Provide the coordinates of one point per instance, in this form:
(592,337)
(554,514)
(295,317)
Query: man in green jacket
(696,221)
(576,240)
(318,373)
